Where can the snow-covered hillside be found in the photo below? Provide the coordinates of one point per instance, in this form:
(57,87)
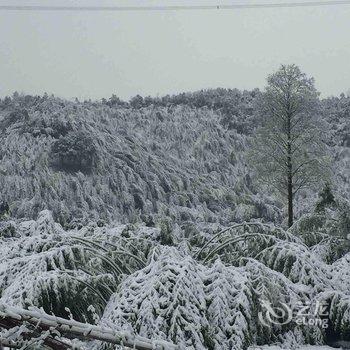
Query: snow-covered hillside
(145,218)
(182,158)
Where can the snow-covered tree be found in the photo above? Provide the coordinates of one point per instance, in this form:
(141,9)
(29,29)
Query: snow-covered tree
(287,152)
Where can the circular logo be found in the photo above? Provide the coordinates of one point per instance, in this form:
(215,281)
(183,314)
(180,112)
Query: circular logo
(278,315)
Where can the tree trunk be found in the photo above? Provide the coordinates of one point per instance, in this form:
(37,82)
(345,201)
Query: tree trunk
(290,200)
(290,171)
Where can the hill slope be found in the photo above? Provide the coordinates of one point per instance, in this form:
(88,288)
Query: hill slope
(181,157)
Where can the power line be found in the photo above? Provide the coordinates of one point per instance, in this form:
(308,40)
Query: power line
(172,8)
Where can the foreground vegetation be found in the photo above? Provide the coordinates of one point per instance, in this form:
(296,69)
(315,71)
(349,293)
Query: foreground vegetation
(144,220)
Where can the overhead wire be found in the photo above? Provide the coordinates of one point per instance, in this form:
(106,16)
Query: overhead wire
(237,6)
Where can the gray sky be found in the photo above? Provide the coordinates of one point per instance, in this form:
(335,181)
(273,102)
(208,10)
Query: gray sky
(93,55)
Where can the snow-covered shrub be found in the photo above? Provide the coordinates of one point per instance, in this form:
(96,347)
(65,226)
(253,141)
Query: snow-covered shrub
(326,199)
(177,299)
(14,117)
(165,300)
(247,239)
(339,315)
(229,307)
(44,265)
(296,262)
(273,287)
(162,292)
(166,232)
(74,152)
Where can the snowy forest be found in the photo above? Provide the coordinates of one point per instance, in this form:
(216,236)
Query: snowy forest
(209,220)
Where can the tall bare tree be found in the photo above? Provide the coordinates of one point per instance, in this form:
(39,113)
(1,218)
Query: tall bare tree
(288,152)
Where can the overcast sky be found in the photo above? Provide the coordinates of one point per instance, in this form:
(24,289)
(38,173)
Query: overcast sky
(93,55)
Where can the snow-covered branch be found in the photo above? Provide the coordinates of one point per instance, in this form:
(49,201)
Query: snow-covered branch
(13,317)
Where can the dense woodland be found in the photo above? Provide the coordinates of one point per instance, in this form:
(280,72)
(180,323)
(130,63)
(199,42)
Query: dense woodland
(147,217)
